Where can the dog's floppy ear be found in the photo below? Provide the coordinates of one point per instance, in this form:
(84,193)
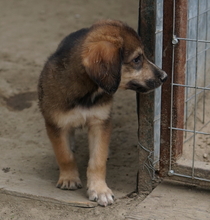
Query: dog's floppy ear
(102,61)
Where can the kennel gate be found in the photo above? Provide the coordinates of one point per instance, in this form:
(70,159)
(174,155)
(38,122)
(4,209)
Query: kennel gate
(185,126)
(176,34)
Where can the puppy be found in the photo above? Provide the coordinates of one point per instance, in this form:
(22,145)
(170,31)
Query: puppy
(76,88)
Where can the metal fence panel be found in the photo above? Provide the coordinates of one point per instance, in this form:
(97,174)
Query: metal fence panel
(192,163)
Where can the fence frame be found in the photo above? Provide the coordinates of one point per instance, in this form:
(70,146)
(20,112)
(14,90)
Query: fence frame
(172,98)
(174,61)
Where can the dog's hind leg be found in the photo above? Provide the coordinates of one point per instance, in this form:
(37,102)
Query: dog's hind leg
(69,176)
(99,137)
(72,140)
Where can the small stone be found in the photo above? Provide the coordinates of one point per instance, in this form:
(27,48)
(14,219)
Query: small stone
(205,155)
(77,16)
(6,169)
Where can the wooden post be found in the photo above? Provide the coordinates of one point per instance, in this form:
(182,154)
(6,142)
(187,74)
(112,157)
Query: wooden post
(146,30)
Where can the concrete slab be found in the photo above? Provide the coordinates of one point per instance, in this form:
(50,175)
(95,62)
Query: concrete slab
(25,185)
(28,167)
(44,191)
(175,202)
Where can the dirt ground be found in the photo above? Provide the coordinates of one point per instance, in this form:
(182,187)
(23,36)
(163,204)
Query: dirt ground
(30,32)
(202,149)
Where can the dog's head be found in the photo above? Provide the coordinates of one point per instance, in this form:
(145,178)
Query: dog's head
(113,57)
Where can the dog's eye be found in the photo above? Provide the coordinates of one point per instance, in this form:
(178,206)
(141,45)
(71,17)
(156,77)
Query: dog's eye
(137,60)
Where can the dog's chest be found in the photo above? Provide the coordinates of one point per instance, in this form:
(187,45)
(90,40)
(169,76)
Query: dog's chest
(78,116)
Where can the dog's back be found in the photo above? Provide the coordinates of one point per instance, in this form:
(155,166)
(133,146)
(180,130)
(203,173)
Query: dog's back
(65,48)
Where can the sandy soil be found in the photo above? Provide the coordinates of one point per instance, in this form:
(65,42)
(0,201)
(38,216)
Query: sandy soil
(30,32)
(202,141)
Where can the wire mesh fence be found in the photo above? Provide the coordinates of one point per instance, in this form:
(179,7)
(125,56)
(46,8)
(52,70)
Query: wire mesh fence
(178,144)
(194,161)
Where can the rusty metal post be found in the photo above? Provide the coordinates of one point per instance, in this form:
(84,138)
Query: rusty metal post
(178,66)
(145,102)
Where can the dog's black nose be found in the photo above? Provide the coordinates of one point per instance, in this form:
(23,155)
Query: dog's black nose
(164,77)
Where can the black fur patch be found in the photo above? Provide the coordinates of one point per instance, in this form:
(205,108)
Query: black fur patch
(69,42)
(133,85)
(89,100)
(152,84)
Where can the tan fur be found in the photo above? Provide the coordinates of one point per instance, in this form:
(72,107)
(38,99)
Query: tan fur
(76,89)
(141,75)
(78,117)
(65,159)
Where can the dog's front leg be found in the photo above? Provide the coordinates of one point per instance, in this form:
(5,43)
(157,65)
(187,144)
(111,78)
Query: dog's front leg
(69,176)
(99,137)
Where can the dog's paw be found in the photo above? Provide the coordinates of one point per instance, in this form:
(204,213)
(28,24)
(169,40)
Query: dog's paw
(69,182)
(101,194)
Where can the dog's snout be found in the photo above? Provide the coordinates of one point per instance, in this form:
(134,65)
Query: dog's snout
(163,77)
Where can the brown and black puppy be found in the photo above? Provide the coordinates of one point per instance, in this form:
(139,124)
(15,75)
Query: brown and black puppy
(76,88)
